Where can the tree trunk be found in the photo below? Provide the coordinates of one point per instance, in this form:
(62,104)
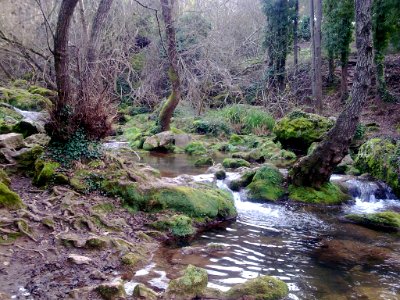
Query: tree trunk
(296,36)
(343,82)
(61,51)
(318,57)
(331,68)
(312,31)
(316,169)
(97,25)
(173,73)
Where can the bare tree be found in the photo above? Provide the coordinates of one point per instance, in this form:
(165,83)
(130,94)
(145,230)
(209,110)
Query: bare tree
(173,72)
(316,169)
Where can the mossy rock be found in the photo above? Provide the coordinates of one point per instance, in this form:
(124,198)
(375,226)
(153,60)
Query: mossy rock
(196,202)
(178,225)
(26,159)
(234,163)
(23,99)
(191,285)
(204,162)
(385,221)
(328,194)
(267,184)
(96,243)
(220,175)
(38,90)
(299,130)
(245,179)
(131,259)
(4,178)
(9,199)
(195,148)
(8,119)
(381,159)
(260,288)
(46,172)
(143,292)
(111,291)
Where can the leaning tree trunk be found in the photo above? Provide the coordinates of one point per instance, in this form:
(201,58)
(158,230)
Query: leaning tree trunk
(61,52)
(316,169)
(173,73)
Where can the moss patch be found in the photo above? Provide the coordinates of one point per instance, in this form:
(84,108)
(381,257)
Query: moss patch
(9,199)
(193,282)
(23,99)
(329,194)
(203,162)
(261,288)
(234,163)
(195,148)
(178,225)
(45,172)
(384,220)
(267,184)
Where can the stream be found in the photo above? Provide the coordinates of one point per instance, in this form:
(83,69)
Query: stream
(280,240)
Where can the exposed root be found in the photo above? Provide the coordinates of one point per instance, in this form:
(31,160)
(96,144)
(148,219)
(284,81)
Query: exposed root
(29,249)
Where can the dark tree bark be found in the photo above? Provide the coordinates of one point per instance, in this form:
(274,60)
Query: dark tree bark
(61,51)
(343,83)
(312,31)
(173,73)
(295,35)
(318,57)
(316,169)
(331,68)
(97,25)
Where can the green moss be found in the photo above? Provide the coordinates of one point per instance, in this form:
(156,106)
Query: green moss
(260,288)
(196,202)
(131,259)
(267,184)
(299,129)
(220,175)
(111,291)
(236,140)
(243,181)
(381,158)
(4,178)
(38,90)
(195,148)
(235,163)
(193,282)
(9,238)
(178,225)
(96,243)
(26,161)
(382,220)
(329,194)
(23,99)
(9,199)
(204,161)
(143,292)
(45,172)
(104,208)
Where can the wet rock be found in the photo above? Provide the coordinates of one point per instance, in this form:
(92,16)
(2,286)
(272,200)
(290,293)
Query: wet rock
(192,284)
(351,253)
(220,175)
(327,194)
(79,259)
(13,141)
(111,291)
(263,287)
(143,292)
(266,184)
(210,248)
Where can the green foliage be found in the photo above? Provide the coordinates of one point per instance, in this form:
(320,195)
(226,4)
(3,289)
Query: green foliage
(338,28)
(195,148)
(211,127)
(360,132)
(78,147)
(203,162)
(377,220)
(45,172)
(178,225)
(304,32)
(329,194)
(23,99)
(267,184)
(260,288)
(381,158)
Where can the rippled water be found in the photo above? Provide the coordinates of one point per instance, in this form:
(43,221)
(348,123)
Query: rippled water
(280,240)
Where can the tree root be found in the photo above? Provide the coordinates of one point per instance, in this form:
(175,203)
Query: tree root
(28,249)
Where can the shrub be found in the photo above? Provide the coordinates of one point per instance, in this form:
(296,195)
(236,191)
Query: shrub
(210,126)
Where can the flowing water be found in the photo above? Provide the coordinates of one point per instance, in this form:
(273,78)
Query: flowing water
(280,240)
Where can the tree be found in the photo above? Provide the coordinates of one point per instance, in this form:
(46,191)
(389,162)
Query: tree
(338,30)
(277,39)
(385,26)
(173,72)
(295,34)
(315,169)
(316,6)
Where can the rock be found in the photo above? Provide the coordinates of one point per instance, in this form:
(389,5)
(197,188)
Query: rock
(328,194)
(178,225)
(111,291)
(191,285)
(96,243)
(203,162)
(40,139)
(345,165)
(166,140)
(381,159)
(79,259)
(143,292)
(13,141)
(72,240)
(130,259)
(23,99)
(220,175)
(215,168)
(263,287)
(384,221)
(182,140)
(4,296)
(234,163)
(267,184)
(27,157)
(210,248)
(299,130)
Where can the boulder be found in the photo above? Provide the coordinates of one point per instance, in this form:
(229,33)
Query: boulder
(234,163)
(12,141)
(267,184)
(32,123)
(166,140)
(381,159)
(384,221)
(143,292)
(345,165)
(40,139)
(298,130)
(191,285)
(111,291)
